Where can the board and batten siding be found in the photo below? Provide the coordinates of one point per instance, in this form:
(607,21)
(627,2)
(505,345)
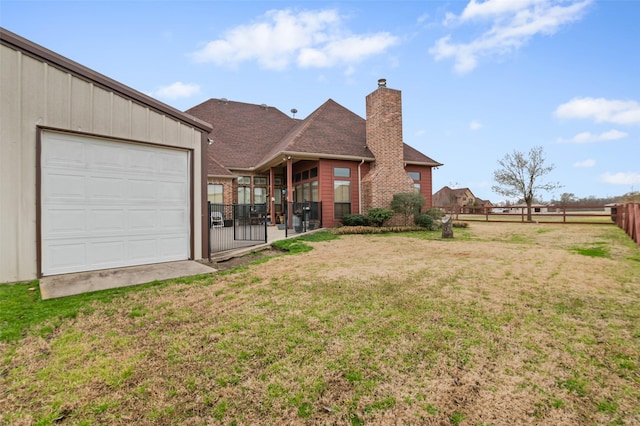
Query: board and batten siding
(38,93)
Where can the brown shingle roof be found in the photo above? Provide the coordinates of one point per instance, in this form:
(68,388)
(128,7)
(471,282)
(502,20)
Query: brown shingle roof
(214,168)
(242,133)
(248,135)
(413,156)
(331,130)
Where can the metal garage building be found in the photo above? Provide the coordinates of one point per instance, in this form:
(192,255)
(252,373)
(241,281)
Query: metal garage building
(93,174)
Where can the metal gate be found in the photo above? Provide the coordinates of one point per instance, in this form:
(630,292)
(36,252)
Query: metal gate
(233,226)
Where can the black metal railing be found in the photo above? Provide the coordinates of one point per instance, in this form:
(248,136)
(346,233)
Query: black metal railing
(233,226)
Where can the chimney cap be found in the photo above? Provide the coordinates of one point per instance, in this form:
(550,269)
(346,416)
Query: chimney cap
(382,82)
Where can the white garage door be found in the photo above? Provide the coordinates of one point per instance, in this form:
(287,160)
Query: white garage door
(108,204)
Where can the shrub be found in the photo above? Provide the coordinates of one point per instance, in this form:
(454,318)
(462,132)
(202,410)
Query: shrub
(435,213)
(343,230)
(407,204)
(458,224)
(425,221)
(354,220)
(378,216)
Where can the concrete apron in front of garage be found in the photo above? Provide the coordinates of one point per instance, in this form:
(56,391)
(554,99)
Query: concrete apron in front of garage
(83,282)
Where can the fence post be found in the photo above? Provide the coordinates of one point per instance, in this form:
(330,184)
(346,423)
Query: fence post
(636,219)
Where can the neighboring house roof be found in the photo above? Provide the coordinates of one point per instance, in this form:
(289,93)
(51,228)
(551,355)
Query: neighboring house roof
(460,196)
(485,203)
(457,191)
(248,136)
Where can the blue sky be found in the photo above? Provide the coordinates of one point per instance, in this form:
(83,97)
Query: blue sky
(479,79)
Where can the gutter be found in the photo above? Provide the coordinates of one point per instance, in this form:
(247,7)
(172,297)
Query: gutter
(277,158)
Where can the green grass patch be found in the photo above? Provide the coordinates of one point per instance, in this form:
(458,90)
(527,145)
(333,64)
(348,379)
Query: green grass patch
(296,344)
(22,309)
(597,250)
(298,244)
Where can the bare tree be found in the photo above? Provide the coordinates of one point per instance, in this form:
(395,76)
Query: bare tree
(520,175)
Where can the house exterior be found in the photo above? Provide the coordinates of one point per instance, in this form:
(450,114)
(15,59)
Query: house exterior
(484,203)
(333,158)
(455,199)
(93,174)
(451,199)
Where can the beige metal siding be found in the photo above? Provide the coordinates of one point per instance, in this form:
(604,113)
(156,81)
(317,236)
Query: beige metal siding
(10,153)
(35,93)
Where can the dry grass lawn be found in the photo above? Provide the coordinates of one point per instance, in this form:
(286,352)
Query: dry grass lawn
(507,324)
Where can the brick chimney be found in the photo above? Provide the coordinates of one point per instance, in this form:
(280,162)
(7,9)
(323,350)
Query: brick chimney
(384,139)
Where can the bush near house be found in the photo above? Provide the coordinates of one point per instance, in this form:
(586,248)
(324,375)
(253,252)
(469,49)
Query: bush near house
(354,220)
(378,216)
(426,221)
(408,204)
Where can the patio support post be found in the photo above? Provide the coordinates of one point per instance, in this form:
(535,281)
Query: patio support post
(289,191)
(272,202)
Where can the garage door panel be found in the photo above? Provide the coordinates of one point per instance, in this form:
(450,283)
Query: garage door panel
(107,220)
(64,153)
(142,250)
(64,257)
(106,253)
(111,204)
(171,220)
(169,247)
(105,188)
(64,222)
(142,160)
(64,186)
(172,191)
(172,164)
(107,157)
(142,189)
(142,220)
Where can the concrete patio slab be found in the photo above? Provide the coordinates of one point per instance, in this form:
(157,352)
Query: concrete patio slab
(83,282)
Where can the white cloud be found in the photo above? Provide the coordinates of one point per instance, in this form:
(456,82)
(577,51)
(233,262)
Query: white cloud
(585,163)
(621,178)
(600,110)
(587,137)
(493,8)
(513,24)
(282,37)
(422,18)
(177,90)
(475,125)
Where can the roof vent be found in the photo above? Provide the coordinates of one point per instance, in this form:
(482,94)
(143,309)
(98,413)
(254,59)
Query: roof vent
(294,112)
(264,106)
(382,82)
(223,101)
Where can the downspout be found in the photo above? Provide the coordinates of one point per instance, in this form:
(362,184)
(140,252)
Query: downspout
(360,187)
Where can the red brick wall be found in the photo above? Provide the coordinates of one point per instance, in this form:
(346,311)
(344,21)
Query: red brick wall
(228,194)
(384,139)
(325,174)
(426,184)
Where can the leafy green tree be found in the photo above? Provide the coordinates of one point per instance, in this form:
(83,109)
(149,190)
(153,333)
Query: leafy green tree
(520,175)
(407,204)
